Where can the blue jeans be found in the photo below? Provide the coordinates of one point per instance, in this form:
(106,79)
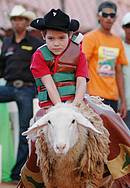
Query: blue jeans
(24,100)
(112,103)
(127,119)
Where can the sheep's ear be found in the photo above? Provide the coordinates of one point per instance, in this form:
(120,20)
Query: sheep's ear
(85,122)
(39,124)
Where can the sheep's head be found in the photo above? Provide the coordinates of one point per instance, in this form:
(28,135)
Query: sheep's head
(62,124)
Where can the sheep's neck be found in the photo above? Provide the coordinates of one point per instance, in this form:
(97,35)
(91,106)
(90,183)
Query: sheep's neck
(67,167)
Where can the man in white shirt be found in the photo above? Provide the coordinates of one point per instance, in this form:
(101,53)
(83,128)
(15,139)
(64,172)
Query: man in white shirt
(126,69)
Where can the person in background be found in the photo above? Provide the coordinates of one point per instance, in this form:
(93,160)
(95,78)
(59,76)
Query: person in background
(126,69)
(105,54)
(60,72)
(2,34)
(15,60)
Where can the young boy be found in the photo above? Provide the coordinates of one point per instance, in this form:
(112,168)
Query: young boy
(60,71)
(59,65)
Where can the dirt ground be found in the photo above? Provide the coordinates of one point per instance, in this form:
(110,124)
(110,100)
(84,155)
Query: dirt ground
(7,185)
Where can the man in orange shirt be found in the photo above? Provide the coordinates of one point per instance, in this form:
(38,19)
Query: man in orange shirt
(105,54)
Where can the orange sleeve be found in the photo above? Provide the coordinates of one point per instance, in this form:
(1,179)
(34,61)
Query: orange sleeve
(88,45)
(122,59)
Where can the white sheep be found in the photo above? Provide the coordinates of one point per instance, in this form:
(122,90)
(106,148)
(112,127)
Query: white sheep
(71,148)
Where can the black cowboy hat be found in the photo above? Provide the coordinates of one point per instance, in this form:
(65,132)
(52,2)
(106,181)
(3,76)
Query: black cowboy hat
(55,19)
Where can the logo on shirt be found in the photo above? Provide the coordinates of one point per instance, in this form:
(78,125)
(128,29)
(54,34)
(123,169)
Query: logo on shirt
(28,48)
(106,61)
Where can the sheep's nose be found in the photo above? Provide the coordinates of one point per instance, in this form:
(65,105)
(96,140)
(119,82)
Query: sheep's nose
(60,147)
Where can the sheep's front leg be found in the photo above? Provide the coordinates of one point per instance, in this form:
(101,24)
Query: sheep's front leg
(89,186)
(107,182)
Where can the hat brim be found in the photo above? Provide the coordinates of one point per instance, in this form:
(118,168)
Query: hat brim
(126,25)
(40,24)
(28,15)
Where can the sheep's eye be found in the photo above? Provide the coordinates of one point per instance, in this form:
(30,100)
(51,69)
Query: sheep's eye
(49,122)
(73,121)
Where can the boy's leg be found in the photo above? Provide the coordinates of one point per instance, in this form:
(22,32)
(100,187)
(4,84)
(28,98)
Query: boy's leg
(30,174)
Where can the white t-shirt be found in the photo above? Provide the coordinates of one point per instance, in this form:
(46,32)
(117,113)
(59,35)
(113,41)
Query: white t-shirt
(126,71)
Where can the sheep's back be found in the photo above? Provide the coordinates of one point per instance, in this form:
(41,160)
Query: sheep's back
(85,168)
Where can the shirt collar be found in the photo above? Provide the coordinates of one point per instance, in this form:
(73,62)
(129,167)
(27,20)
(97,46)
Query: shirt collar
(26,38)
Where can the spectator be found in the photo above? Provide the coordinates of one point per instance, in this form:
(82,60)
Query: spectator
(105,54)
(126,69)
(2,34)
(59,76)
(15,62)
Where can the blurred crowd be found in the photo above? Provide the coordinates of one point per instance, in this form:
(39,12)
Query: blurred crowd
(108,59)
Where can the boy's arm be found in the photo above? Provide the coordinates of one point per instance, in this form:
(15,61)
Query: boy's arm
(120,85)
(80,89)
(81,79)
(51,88)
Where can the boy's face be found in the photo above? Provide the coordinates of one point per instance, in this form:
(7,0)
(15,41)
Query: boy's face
(57,41)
